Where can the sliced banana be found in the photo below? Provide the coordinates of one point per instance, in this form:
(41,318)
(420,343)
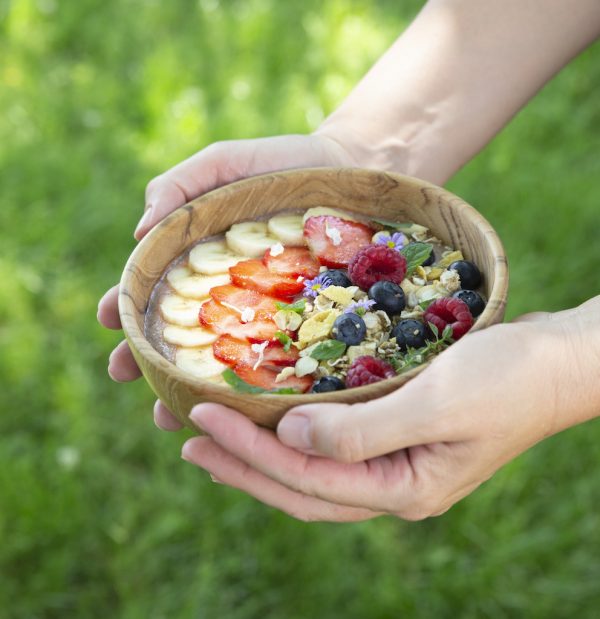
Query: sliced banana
(213,257)
(188,337)
(194,285)
(289,229)
(199,362)
(318,211)
(250,238)
(180,311)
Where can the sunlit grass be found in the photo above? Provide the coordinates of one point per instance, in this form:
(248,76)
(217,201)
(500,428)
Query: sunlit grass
(99,517)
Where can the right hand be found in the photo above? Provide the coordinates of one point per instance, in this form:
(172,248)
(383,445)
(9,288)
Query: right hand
(218,164)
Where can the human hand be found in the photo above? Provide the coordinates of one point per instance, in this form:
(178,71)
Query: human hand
(417,451)
(218,164)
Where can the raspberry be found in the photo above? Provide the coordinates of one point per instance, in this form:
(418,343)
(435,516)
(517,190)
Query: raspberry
(449,311)
(375,263)
(366,370)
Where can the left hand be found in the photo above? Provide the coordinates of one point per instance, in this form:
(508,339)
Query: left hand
(417,451)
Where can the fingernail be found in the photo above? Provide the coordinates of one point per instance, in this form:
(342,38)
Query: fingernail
(294,431)
(196,417)
(143,222)
(217,481)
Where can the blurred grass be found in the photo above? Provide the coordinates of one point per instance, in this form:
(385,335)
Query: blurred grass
(98,515)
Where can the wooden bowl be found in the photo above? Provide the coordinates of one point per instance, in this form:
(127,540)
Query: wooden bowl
(367,192)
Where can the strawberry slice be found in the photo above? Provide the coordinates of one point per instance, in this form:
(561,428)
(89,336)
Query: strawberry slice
(335,241)
(293,262)
(221,319)
(235,352)
(241,298)
(265,378)
(253,274)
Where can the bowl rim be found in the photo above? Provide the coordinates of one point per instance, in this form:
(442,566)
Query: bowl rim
(133,333)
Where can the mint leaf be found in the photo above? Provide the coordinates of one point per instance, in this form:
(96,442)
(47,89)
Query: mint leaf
(329,349)
(298,306)
(425,304)
(241,386)
(238,384)
(434,330)
(415,254)
(393,224)
(285,339)
(447,333)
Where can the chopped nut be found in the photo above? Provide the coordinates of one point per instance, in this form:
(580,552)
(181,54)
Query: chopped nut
(322,303)
(276,250)
(287,320)
(317,327)
(434,273)
(248,315)
(339,294)
(448,257)
(364,348)
(285,373)
(305,365)
(450,280)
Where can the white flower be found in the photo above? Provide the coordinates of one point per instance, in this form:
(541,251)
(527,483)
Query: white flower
(334,235)
(276,250)
(260,350)
(248,315)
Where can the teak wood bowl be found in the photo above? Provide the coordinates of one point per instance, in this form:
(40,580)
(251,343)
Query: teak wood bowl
(371,193)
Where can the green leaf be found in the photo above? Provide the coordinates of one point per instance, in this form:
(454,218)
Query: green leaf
(298,306)
(285,339)
(415,254)
(425,304)
(393,224)
(434,330)
(447,333)
(241,386)
(329,349)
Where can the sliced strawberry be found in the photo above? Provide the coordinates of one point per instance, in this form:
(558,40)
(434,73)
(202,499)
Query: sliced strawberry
(336,248)
(235,352)
(293,262)
(265,378)
(221,319)
(253,274)
(242,298)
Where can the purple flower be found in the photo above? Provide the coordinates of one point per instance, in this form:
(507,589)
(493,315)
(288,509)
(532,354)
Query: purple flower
(395,241)
(312,287)
(359,307)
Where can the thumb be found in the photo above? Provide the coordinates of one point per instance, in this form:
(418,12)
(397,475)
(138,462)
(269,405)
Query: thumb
(411,415)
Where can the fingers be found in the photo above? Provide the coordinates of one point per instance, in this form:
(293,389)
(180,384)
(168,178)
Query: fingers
(164,419)
(204,452)
(122,367)
(412,415)
(108,309)
(382,484)
(216,165)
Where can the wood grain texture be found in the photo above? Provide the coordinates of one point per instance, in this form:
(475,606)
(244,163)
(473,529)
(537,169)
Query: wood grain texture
(367,192)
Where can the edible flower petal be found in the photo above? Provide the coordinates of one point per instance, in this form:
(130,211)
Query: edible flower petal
(359,307)
(312,287)
(395,241)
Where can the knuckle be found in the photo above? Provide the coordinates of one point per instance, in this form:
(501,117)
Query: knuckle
(154,184)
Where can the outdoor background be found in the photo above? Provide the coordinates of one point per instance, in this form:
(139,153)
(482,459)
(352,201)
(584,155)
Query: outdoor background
(99,516)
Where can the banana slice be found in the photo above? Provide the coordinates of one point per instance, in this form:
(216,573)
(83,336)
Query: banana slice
(289,229)
(199,362)
(194,285)
(213,257)
(180,311)
(250,238)
(188,337)
(318,211)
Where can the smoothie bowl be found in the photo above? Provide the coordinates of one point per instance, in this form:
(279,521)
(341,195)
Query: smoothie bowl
(333,285)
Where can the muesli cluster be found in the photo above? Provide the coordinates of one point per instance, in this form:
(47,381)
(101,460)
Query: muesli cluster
(323,301)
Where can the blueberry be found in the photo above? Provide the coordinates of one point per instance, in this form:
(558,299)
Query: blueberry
(409,333)
(338,277)
(473,299)
(349,328)
(328,383)
(470,276)
(388,297)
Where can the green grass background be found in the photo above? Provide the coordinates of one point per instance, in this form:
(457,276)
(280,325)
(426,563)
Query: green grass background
(99,517)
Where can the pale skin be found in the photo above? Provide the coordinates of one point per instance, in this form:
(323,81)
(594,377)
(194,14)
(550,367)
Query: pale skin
(446,86)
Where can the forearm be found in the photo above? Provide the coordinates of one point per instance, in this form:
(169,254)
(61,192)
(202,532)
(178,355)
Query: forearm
(454,78)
